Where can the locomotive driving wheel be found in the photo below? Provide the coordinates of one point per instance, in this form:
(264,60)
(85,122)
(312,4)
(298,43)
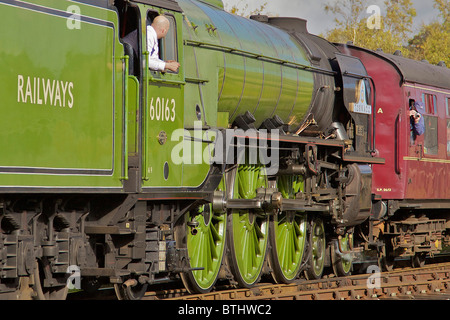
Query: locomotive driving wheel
(202,232)
(56,292)
(247,230)
(288,234)
(342,261)
(316,259)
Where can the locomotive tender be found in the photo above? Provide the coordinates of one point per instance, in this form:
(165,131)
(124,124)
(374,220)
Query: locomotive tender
(113,169)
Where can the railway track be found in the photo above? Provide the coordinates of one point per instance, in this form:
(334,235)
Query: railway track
(430,283)
(427,283)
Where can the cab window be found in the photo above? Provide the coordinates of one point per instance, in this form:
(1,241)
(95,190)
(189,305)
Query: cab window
(168,45)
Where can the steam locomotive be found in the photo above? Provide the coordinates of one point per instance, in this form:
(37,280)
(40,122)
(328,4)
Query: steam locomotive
(271,152)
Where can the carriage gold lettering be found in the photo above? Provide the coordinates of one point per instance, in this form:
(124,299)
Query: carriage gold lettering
(43,91)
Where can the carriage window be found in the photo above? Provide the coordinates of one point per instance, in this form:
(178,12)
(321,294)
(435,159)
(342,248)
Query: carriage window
(430,103)
(431,124)
(448,106)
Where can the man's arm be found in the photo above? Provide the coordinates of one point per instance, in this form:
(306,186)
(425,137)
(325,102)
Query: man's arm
(156,64)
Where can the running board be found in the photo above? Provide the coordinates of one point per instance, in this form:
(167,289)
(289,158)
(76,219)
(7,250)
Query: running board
(266,202)
(302,205)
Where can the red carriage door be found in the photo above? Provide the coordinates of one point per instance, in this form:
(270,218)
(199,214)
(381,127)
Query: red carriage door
(423,156)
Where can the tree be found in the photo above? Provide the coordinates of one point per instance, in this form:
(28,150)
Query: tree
(353,24)
(399,18)
(349,15)
(242,10)
(432,43)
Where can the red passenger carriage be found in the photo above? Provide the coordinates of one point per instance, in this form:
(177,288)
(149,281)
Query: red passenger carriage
(413,186)
(414,169)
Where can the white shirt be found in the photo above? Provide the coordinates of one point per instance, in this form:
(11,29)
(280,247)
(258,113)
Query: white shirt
(154,62)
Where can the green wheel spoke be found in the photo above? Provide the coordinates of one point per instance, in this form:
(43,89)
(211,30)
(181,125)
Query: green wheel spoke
(217,219)
(215,236)
(212,245)
(289,241)
(249,230)
(258,233)
(294,237)
(298,229)
(318,247)
(205,249)
(205,244)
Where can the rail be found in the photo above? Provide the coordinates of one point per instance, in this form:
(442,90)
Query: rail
(430,282)
(426,283)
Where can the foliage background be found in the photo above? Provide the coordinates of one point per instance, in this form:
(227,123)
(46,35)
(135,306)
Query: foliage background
(397,29)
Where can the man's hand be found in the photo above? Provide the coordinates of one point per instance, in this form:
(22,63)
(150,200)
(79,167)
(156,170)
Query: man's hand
(415,115)
(172,65)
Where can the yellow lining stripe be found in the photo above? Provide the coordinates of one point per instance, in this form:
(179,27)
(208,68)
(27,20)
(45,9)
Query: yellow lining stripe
(423,88)
(426,160)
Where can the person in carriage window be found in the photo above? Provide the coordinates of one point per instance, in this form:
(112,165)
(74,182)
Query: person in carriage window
(417,123)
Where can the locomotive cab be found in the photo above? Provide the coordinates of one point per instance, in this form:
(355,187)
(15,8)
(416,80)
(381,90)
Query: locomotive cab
(157,98)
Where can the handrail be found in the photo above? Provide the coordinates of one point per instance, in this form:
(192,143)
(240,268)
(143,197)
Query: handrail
(126,59)
(398,124)
(258,56)
(180,82)
(146,113)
